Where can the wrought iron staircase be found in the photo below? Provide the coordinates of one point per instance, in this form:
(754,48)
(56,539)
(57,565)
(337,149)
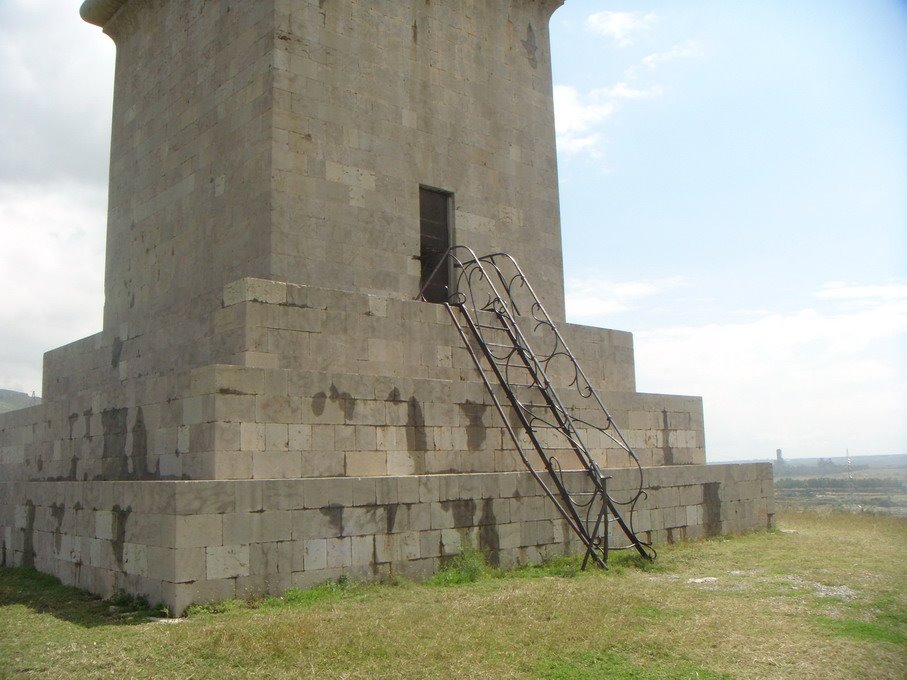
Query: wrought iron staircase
(496,312)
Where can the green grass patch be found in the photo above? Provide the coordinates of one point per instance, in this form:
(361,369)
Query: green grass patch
(863,631)
(29,588)
(471,565)
(467,567)
(613,666)
(220,607)
(890,612)
(620,561)
(334,591)
(561,566)
(765,615)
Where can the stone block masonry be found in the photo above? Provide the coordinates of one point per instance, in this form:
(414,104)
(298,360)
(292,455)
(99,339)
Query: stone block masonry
(313,383)
(266,405)
(287,140)
(200,541)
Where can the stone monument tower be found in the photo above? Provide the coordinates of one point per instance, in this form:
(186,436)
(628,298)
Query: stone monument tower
(267,404)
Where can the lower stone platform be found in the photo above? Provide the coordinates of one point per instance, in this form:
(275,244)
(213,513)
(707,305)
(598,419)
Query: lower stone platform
(184,542)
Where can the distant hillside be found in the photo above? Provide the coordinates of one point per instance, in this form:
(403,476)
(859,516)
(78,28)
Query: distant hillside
(889,460)
(10,401)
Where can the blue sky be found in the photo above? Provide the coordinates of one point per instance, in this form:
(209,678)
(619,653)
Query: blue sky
(732,187)
(732,184)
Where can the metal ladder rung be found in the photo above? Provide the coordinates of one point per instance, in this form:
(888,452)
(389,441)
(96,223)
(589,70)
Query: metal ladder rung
(525,422)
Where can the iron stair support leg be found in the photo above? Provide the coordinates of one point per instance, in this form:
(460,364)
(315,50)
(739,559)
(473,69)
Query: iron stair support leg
(557,409)
(575,520)
(601,523)
(640,548)
(566,426)
(572,519)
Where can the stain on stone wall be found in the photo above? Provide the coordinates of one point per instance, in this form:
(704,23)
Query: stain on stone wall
(86,415)
(113,463)
(531,46)
(345,401)
(319,401)
(58,512)
(391,517)
(116,352)
(140,447)
(334,515)
(489,540)
(120,517)
(712,508)
(28,536)
(475,430)
(666,449)
(416,434)
(463,511)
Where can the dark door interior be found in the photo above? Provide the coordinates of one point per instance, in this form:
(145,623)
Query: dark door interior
(434,210)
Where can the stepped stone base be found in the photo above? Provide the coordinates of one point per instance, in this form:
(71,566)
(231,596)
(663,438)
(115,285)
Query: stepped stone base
(297,381)
(308,433)
(234,429)
(184,542)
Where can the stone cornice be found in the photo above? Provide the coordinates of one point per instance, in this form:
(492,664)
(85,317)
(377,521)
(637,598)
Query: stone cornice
(99,12)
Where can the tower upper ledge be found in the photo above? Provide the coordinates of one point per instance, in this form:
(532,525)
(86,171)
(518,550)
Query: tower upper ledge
(98,12)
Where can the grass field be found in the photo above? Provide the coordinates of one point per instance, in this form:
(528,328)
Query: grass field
(825,596)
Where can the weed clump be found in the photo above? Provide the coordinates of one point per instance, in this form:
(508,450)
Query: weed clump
(136,605)
(326,592)
(467,567)
(220,607)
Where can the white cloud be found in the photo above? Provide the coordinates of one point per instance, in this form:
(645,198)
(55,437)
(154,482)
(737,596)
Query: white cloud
(838,290)
(55,117)
(812,382)
(55,135)
(51,273)
(623,27)
(691,49)
(624,91)
(578,118)
(596,299)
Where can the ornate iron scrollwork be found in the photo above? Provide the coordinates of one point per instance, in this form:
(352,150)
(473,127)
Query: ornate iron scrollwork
(496,312)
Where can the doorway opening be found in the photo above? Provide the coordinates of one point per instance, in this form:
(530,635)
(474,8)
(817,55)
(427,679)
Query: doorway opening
(435,208)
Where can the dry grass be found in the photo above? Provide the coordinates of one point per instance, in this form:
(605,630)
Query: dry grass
(829,601)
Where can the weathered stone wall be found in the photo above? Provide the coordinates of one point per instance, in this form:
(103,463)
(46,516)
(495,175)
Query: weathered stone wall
(244,423)
(314,382)
(373,100)
(288,139)
(259,327)
(190,183)
(184,542)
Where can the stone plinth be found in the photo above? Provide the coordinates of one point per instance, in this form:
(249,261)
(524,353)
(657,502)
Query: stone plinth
(266,405)
(185,542)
